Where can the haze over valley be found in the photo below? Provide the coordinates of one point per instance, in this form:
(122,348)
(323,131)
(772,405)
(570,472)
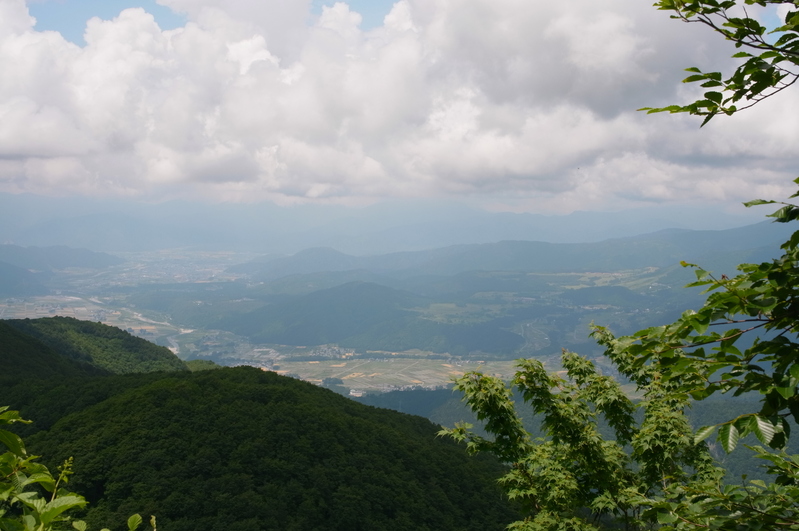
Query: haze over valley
(403,265)
(376,322)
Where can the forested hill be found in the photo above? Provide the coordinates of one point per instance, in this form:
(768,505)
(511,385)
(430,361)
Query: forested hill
(105,347)
(240,449)
(24,357)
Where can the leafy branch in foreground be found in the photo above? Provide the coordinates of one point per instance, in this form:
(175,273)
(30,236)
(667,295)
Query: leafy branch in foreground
(572,478)
(771,57)
(707,351)
(658,473)
(31,499)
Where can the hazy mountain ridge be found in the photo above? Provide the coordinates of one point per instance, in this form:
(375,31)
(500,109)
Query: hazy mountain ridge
(465,300)
(660,249)
(55,257)
(116,225)
(495,301)
(17,281)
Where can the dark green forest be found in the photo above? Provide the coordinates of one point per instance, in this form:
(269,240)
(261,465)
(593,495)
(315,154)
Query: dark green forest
(241,449)
(102,346)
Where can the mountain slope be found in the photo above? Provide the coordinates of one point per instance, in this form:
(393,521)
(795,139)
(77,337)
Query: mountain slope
(242,449)
(25,357)
(103,346)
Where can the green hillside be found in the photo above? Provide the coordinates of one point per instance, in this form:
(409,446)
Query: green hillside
(23,356)
(243,449)
(103,346)
(365,316)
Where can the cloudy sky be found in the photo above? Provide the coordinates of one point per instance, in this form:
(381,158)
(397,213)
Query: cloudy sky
(522,105)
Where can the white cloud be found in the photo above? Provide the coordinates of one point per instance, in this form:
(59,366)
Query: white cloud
(529,104)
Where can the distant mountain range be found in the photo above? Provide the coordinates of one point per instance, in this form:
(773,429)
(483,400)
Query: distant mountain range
(660,249)
(24,271)
(55,257)
(110,225)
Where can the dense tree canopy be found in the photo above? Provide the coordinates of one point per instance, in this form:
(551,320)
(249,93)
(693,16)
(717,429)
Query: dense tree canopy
(31,498)
(105,347)
(241,448)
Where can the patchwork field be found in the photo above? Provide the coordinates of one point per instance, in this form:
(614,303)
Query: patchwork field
(390,374)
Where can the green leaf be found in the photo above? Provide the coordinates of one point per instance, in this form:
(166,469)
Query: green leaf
(80,525)
(13,443)
(728,437)
(764,430)
(59,505)
(703,433)
(756,202)
(666,518)
(786,392)
(134,521)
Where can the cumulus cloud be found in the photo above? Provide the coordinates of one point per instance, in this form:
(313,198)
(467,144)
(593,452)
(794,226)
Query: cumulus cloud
(528,105)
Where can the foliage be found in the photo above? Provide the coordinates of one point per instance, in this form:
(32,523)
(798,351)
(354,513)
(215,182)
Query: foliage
(245,449)
(31,499)
(105,347)
(712,349)
(573,478)
(202,365)
(24,357)
(742,340)
(770,58)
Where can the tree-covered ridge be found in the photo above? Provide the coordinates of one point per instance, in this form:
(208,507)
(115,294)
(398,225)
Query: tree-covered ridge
(31,497)
(103,346)
(24,357)
(244,449)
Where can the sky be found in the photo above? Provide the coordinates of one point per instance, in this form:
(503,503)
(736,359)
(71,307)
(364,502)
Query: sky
(509,105)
